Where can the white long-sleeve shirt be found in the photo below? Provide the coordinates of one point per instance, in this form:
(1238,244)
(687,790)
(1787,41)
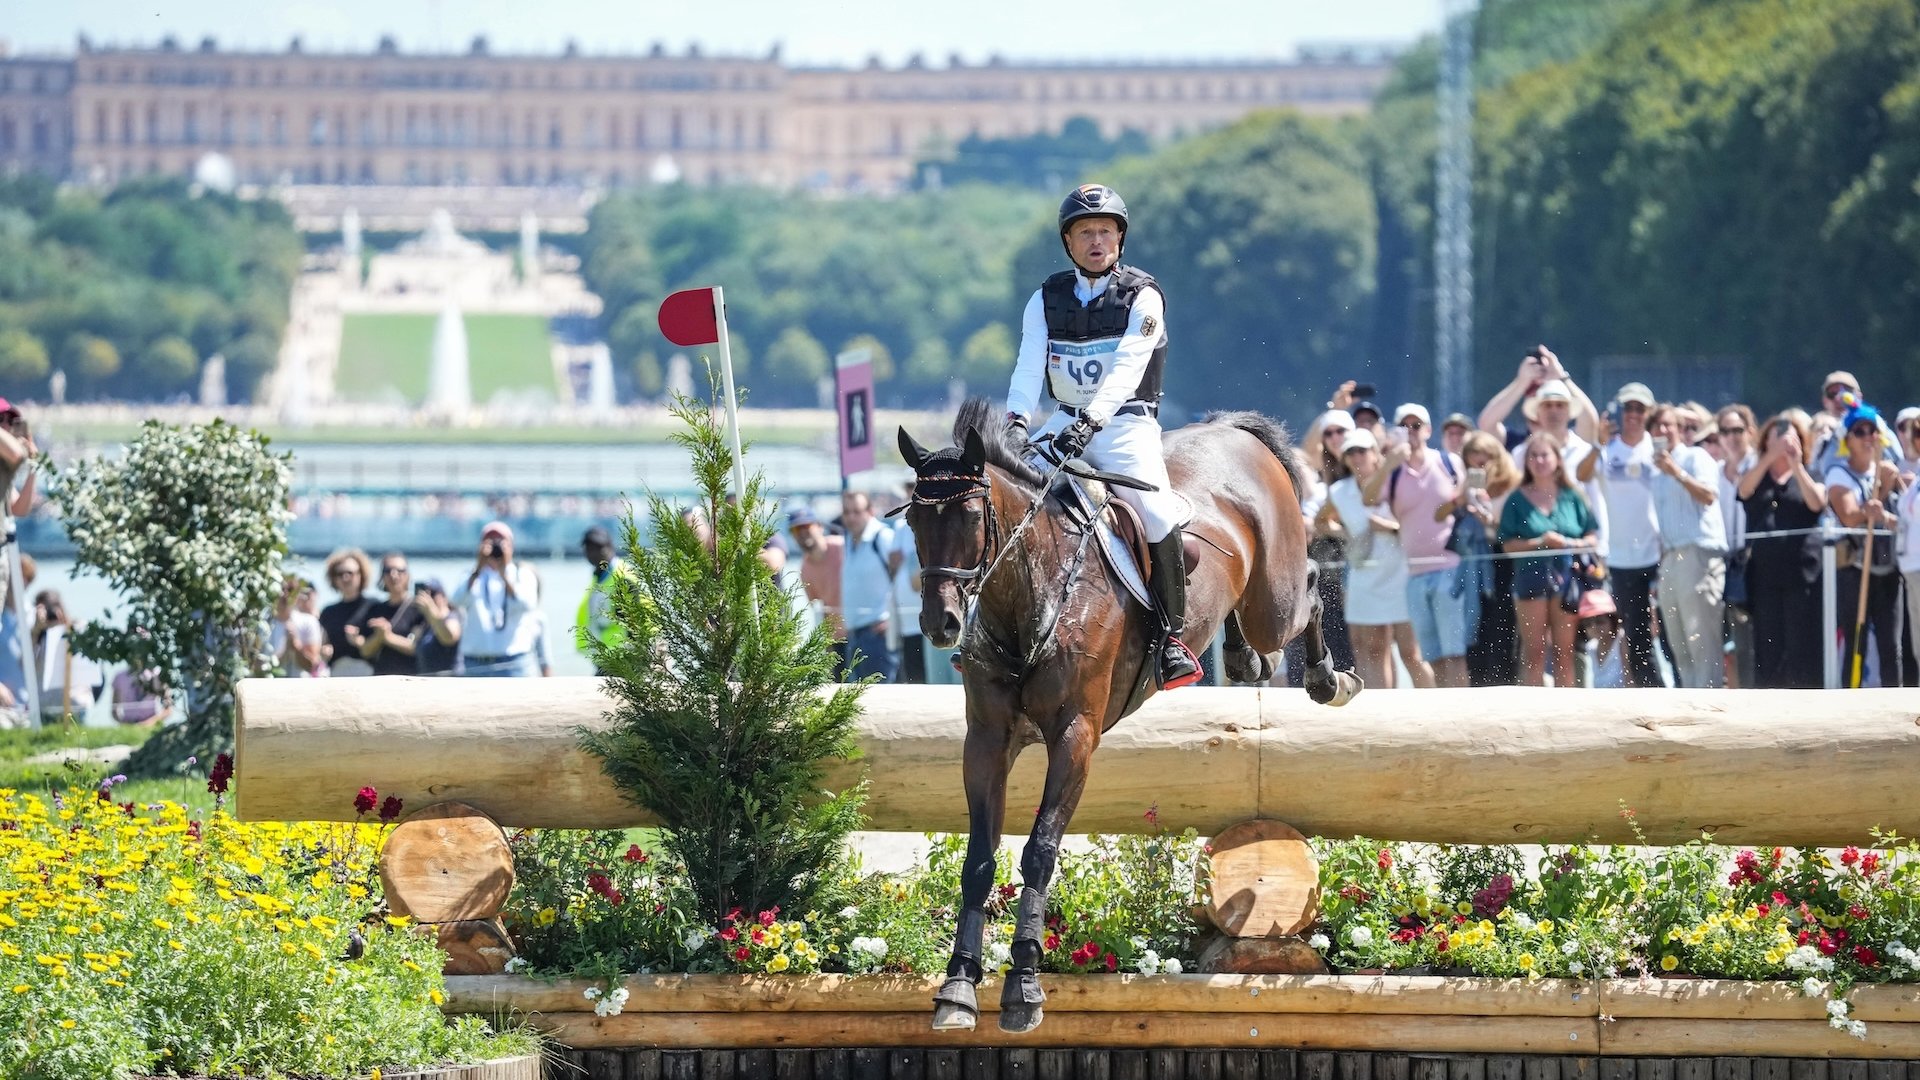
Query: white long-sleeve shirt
(1118,375)
(498,624)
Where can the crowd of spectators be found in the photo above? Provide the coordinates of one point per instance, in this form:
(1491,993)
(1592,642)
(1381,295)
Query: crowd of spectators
(1645,543)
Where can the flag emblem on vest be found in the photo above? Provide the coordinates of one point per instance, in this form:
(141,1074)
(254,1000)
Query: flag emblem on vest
(1147,326)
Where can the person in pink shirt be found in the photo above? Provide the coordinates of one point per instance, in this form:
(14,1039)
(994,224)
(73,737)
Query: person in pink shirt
(1419,485)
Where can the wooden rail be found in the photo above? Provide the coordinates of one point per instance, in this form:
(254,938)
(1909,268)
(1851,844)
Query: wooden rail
(1503,765)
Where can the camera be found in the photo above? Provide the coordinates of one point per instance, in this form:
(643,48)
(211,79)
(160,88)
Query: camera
(1476,479)
(491,548)
(1365,391)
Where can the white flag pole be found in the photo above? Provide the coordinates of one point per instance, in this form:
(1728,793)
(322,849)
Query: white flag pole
(733,413)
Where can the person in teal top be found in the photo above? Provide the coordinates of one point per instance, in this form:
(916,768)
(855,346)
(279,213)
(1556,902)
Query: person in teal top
(1545,513)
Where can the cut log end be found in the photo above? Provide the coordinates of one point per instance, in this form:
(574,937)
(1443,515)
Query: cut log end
(447,863)
(1260,956)
(473,946)
(1264,881)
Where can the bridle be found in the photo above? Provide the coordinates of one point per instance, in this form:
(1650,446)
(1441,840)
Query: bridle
(950,488)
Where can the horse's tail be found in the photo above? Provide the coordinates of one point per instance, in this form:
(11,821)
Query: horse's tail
(1272,433)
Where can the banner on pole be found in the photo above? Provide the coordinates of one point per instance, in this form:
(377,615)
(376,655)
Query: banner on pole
(853,381)
(690,317)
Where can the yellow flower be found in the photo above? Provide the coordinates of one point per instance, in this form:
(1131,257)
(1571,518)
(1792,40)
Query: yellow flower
(1526,961)
(176,946)
(437,997)
(1545,926)
(67,1024)
(22,988)
(1669,962)
(778,963)
(1463,908)
(545,918)
(399,920)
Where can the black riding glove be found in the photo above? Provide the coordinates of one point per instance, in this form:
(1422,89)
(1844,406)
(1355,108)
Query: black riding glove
(1073,439)
(1017,428)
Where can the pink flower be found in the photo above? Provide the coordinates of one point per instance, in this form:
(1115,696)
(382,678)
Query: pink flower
(366,800)
(1052,942)
(1385,859)
(1112,962)
(768,916)
(390,809)
(730,933)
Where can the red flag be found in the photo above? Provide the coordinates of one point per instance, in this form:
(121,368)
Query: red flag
(687,318)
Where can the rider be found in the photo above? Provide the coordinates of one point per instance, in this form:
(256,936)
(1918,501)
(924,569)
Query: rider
(1094,340)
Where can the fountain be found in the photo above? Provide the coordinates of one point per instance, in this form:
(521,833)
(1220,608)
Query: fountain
(213,381)
(350,247)
(529,248)
(449,394)
(600,397)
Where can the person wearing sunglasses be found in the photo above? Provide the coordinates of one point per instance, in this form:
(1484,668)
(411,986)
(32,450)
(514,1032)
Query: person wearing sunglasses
(1862,488)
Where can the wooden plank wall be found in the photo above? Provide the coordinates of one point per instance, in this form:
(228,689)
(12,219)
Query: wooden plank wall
(1006,1064)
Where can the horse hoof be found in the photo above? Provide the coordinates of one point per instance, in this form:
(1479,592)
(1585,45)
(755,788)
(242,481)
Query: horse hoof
(1019,1019)
(949,1016)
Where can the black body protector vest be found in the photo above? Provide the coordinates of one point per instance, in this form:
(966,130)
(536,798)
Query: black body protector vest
(1074,329)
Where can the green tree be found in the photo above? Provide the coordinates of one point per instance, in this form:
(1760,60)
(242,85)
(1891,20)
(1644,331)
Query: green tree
(1043,160)
(189,526)
(89,357)
(169,364)
(249,359)
(882,356)
(721,720)
(648,378)
(797,358)
(23,359)
(930,364)
(987,357)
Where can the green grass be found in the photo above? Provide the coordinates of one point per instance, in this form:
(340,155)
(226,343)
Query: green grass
(16,746)
(380,354)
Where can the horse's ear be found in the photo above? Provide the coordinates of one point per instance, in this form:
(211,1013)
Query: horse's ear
(974,453)
(915,454)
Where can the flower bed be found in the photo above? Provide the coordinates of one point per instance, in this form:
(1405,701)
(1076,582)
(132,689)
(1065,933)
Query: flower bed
(139,939)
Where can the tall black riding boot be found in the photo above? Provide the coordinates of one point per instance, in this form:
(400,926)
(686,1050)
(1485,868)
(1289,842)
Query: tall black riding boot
(1177,664)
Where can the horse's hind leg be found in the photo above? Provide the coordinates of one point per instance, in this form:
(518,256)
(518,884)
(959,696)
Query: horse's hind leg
(1068,758)
(986,760)
(1244,663)
(1323,684)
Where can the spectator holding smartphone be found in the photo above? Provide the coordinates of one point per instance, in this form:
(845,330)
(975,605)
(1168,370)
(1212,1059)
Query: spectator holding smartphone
(1376,594)
(1420,487)
(1780,494)
(1546,515)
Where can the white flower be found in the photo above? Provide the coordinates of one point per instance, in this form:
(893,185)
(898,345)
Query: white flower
(607,1007)
(1318,942)
(1812,987)
(1149,963)
(518,963)
(1360,936)
(1568,948)
(1576,968)
(1837,1010)
(875,947)
(998,955)
(1523,920)
(695,939)
(1857,1028)
(619,996)
(849,911)
(1173,966)
(592,993)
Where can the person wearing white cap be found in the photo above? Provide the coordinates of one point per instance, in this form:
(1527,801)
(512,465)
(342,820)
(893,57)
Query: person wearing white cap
(1376,572)
(1906,434)
(1414,485)
(1840,392)
(1327,542)
(1624,470)
(500,604)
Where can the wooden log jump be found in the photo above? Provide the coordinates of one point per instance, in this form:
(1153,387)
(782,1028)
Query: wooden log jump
(1502,765)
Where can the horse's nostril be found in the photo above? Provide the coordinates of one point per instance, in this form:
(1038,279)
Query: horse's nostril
(952,625)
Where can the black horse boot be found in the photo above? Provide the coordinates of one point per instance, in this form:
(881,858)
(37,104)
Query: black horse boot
(1177,664)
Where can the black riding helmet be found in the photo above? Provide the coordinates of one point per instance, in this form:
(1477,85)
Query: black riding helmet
(1093,200)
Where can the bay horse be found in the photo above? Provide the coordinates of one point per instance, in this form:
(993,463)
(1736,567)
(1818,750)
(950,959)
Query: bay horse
(1054,648)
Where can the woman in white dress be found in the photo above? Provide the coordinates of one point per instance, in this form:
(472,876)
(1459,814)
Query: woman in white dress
(1376,570)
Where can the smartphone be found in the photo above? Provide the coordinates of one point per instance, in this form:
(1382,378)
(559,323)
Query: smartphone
(1781,428)
(1476,479)
(1365,391)
(1659,444)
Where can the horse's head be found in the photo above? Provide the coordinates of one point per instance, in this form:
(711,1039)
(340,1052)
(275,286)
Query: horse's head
(954,529)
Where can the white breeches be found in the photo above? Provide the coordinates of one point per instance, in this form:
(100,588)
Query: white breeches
(1130,446)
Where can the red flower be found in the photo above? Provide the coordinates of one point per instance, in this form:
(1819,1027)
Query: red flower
(1440,944)
(1007,892)
(742,953)
(1869,862)
(768,916)
(602,884)
(1781,898)
(1841,936)
(1153,815)
(1490,901)
(730,933)
(1827,945)
(1459,918)
(1864,956)
(635,855)
(733,916)
(390,809)
(1385,859)
(1355,893)
(1859,913)
(1112,962)
(1849,855)
(758,937)
(1052,942)
(222,772)
(1802,937)
(366,800)
(1764,910)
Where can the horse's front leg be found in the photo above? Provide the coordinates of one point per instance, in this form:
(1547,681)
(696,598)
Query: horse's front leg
(1068,758)
(986,760)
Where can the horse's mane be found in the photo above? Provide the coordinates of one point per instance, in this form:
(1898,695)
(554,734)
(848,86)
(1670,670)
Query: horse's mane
(1272,433)
(978,414)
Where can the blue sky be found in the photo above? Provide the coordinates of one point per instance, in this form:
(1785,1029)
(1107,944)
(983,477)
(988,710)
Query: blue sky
(843,32)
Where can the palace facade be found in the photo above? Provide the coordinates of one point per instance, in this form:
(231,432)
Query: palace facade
(393,118)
